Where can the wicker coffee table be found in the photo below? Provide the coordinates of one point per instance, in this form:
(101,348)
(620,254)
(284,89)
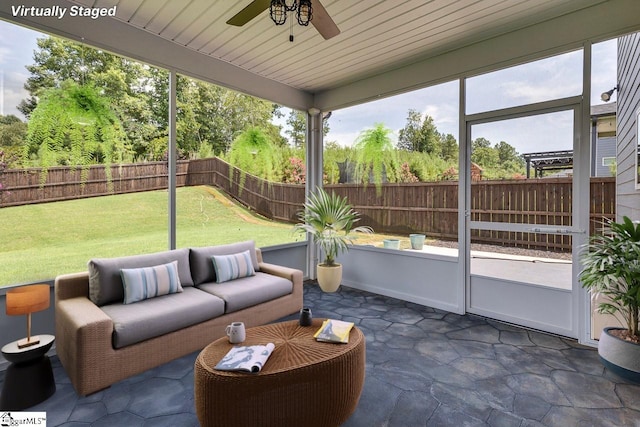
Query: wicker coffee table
(304,382)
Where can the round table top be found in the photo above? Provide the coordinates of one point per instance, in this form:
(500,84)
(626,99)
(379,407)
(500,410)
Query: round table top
(295,347)
(17,355)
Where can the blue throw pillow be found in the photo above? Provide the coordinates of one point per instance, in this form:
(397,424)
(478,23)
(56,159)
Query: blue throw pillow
(234,266)
(148,282)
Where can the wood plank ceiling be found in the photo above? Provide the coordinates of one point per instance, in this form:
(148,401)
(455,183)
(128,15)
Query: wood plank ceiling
(375,35)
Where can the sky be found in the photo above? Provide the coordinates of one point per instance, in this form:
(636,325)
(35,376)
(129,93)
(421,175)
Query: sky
(552,78)
(542,80)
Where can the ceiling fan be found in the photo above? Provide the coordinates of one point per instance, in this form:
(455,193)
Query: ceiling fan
(317,14)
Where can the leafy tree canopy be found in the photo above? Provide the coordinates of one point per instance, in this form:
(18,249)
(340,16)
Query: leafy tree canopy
(209,117)
(421,134)
(13,133)
(499,161)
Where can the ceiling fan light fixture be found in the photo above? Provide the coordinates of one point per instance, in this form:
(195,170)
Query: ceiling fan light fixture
(305,12)
(278,11)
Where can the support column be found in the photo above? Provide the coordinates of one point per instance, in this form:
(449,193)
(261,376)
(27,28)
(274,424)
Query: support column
(314,175)
(581,197)
(464,201)
(173,154)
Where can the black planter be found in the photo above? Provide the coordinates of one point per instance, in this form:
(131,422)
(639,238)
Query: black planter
(619,356)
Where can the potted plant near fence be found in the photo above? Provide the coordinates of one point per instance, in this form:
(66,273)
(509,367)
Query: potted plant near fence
(611,271)
(330,220)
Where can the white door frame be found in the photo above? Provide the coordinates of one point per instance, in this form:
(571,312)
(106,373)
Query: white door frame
(580,188)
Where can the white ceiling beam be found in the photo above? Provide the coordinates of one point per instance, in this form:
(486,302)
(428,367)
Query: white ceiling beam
(118,37)
(567,32)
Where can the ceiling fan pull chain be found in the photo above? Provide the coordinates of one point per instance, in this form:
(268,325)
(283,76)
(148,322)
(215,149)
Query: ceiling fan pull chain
(291,28)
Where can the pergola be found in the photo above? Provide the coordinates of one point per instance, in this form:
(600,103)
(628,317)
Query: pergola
(548,160)
(384,48)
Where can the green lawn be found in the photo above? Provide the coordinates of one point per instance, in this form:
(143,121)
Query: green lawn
(41,241)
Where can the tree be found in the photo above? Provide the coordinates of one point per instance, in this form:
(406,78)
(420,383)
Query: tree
(500,161)
(483,154)
(506,152)
(13,133)
(73,125)
(121,80)
(208,119)
(297,131)
(480,143)
(409,136)
(430,141)
(449,148)
(420,134)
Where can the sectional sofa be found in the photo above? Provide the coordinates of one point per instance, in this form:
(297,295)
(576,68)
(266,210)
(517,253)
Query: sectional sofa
(126,315)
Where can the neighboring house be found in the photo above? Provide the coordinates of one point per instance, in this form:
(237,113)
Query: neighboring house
(603,139)
(555,164)
(627,182)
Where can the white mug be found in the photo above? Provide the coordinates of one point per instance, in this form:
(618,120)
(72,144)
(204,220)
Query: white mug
(236,333)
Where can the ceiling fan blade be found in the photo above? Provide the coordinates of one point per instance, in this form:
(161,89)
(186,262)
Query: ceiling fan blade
(252,10)
(322,21)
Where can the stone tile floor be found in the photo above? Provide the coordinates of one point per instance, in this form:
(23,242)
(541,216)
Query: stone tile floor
(425,367)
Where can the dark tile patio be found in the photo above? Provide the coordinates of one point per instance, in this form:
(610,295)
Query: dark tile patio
(425,367)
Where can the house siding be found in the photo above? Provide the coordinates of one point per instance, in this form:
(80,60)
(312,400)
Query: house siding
(605,147)
(628,197)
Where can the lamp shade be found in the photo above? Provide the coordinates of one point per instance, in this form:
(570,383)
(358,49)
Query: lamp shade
(28,299)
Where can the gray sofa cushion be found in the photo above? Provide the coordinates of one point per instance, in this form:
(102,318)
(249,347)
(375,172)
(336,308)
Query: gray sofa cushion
(105,282)
(202,266)
(161,315)
(249,291)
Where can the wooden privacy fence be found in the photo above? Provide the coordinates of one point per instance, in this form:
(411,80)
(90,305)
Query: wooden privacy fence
(273,200)
(425,207)
(432,208)
(66,183)
(429,207)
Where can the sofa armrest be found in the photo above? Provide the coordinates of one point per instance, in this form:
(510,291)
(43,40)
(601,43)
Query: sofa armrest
(72,285)
(292,274)
(83,332)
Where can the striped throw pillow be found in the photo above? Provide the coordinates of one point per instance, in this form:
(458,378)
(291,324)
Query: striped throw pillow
(234,266)
(148,282)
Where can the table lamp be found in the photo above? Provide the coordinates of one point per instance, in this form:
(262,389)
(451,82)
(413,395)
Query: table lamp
(27,300)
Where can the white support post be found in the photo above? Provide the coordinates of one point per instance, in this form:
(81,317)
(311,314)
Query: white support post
(314,175)
(581,190)
(464,201)
(172,150)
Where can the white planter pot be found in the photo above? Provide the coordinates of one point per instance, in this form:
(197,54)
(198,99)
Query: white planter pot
(619,356)
(329,278)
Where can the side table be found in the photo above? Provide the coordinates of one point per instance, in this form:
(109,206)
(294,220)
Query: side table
(29,378)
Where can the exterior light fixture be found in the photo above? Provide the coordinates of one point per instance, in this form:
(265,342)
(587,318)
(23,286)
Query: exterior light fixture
(606,96)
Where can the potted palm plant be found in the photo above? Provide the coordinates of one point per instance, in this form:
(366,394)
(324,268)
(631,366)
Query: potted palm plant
(611,271)
(330,220)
